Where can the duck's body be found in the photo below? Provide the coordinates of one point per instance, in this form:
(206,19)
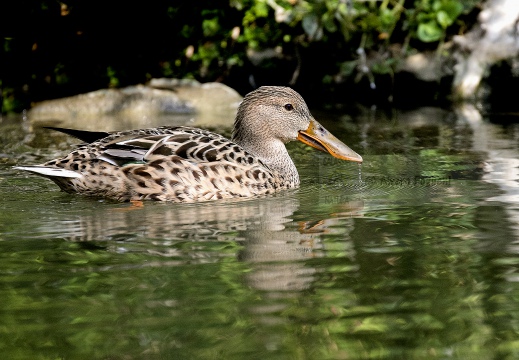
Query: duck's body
(184,164)
(167,163)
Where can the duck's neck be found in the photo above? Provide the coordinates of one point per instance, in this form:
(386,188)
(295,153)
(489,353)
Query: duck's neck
(274,154)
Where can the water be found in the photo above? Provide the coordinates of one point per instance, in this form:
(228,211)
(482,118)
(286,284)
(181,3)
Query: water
(414,256)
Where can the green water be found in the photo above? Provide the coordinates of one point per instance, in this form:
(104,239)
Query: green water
(414,255)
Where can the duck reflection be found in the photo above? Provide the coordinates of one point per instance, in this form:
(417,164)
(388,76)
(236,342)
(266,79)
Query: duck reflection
(272,243)
(275,251)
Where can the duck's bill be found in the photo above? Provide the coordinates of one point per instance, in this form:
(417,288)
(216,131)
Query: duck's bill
(318,137)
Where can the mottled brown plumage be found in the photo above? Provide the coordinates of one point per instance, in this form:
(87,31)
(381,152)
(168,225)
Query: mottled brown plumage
(184,164)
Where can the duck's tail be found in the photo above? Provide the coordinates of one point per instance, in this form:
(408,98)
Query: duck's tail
(49,172)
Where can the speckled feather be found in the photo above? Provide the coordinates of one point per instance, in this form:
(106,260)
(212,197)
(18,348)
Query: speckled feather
(179,164)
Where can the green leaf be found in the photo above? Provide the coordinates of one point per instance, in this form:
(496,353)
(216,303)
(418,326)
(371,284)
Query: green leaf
(261,9)
(437,5)
(443,19)
(429,31)
(453,8)
(387,17)
(210,27)
(424,17)
(329,23)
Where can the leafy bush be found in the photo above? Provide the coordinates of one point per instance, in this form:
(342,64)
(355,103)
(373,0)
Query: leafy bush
(368,26)
(88,45)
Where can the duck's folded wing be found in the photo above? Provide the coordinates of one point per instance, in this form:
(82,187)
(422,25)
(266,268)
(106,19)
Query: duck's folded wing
(194,145)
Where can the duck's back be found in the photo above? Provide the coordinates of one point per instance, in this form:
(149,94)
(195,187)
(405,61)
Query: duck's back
(179,164)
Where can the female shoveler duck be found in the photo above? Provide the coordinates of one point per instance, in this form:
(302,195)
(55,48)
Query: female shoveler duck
(184,164)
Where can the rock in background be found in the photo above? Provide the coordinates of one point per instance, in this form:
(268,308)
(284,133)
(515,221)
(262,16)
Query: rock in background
(493,39)
(160,102)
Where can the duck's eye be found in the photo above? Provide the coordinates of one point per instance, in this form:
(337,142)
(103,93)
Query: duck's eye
(289,107)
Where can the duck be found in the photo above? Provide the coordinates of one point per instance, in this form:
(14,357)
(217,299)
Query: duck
(186,164)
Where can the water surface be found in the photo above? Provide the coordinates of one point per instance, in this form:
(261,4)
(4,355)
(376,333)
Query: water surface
(413,255)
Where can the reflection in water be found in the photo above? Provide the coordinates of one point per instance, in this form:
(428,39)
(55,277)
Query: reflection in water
(416,259)
(213,221)
(502,163)
(259,225)
(278,267)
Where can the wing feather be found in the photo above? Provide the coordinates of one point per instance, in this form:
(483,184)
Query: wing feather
(194,145)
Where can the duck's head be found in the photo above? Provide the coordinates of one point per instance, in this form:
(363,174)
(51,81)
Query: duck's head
(280,113)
